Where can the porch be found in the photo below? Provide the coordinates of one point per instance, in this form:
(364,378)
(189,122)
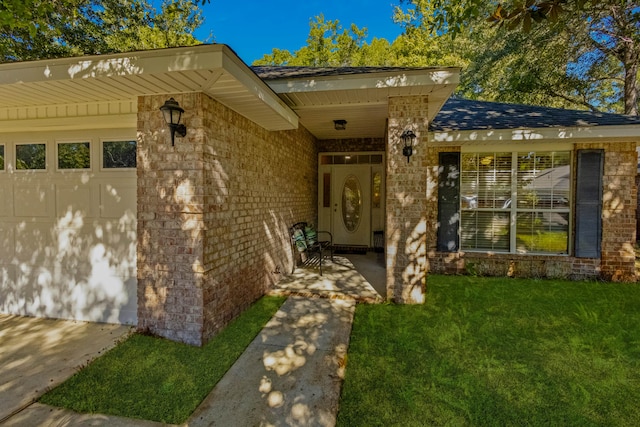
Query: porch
(361,277)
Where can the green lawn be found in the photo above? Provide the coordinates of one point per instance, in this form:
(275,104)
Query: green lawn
(156,379)
(481,351)
(487,351)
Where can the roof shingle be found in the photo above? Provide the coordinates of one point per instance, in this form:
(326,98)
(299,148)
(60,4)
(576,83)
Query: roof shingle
(464,114)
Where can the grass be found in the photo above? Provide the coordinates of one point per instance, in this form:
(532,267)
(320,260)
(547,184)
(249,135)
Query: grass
(546,241)
(487,351)
(156,379)
(481,351)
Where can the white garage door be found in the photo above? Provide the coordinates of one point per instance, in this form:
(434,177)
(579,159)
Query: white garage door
(68,225)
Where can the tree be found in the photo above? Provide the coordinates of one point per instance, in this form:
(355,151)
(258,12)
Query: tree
(74,155)
(77,27)
(331,45)
(599,59)
(452,16)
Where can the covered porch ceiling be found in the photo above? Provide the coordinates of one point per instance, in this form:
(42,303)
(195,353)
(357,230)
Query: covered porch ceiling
(35,95)
(359,95)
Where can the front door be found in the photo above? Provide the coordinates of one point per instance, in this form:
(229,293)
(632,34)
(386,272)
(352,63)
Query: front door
(350,196)
(351,205)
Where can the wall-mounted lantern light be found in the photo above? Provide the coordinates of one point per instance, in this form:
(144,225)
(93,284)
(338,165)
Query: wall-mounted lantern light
(172,113)
(407,138)
(340,124)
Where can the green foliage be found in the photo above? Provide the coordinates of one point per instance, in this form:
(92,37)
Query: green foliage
(75,155)
(331,45)
(156,379)
(31,156)
(497,351)
(562,53)
(119,154)
(34,30)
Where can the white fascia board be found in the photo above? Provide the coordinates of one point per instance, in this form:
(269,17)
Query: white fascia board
(377,80)
(241,72)
(538,135)
(121,64)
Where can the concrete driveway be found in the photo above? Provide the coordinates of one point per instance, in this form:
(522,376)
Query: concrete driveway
(38,354)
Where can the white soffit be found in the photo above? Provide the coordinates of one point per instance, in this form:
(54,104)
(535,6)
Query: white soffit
(361,99)
(27,87)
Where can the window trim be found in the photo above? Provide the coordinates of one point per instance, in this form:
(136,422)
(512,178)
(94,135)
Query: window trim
(4,156)
(46,157)
(80,141)
(101,154)
(513,210)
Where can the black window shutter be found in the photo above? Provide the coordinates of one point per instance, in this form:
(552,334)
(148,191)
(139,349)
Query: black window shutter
(448,202)
(589,203)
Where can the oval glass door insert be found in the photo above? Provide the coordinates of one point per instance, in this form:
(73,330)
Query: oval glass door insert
(351,203)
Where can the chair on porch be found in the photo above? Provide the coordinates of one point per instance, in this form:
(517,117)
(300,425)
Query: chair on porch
(304,241)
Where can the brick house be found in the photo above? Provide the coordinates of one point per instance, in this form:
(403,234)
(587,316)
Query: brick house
(103,219)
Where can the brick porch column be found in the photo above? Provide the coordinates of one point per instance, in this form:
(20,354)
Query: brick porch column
(170,222)
(406,194)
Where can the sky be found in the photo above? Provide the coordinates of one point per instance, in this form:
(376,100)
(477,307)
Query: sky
(254,28)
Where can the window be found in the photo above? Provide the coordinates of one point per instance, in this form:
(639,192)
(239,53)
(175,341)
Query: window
(118,154)
(31,156)
(326,190)
(1,157)
(515,202)
(74,155)
(376,190)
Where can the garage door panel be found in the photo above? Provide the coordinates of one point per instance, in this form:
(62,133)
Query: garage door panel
(33,241)
(74,200)
(115,246)
(6,195)
(11,295)
(116,199)
(33,200)
(7,243)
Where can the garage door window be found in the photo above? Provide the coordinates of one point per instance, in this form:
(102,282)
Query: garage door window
(1,157)
(31,157)
(74,155)
(118,154)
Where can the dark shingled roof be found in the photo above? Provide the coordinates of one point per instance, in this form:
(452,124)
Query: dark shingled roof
(463,114)
(269,72)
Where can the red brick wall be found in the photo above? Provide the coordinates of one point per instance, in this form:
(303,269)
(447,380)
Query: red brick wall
(213,214)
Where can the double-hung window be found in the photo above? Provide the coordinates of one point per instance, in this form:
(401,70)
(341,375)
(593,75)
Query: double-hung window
(515,202)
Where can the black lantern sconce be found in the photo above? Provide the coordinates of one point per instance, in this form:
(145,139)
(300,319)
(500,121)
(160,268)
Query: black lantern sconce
(407,138)
(172,113)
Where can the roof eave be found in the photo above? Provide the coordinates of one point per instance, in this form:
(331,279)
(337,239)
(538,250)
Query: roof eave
(125,70)
(373,80)
(536,134)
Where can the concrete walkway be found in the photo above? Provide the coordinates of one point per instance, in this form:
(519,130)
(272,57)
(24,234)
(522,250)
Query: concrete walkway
(38,354)
(290,375)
